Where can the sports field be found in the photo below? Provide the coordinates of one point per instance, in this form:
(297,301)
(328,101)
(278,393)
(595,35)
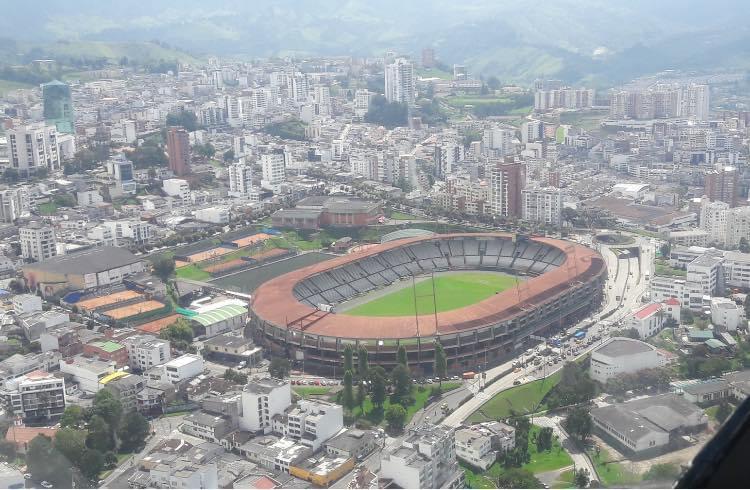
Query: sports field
(452,291)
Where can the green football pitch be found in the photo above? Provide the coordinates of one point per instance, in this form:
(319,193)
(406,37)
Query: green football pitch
(451,291)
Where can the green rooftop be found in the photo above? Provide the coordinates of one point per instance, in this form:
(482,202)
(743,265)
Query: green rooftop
(219,314)
(108,346)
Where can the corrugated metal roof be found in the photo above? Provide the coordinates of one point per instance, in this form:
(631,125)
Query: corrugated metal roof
(219,314)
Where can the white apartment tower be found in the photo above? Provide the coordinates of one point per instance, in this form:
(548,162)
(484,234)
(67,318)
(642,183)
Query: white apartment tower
(400,82)
(261,400)
(274,168)
(240,179)
(38,241)
(33,147)
(542,205)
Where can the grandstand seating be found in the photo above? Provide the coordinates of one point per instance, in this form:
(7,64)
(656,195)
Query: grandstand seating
(345,282)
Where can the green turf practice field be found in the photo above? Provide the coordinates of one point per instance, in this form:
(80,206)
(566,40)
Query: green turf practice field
(451,291)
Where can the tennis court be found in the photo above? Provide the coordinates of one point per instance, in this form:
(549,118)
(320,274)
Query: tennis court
(110,299)
(134,309)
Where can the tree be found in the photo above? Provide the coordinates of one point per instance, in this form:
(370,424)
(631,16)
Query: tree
(7,449)
(665,249)
(662,472)
(493,82)
(72,444)
(347,397)
(581,478)
(348,358)
(100,435)
(163,267)
(578,423)
(744,245)
(575,386)
(441,363)
(518,478)
(107,407)
(235,376)
(723,412)
(396,416)
(186,119)
(402,357)
(73,416)
(180,334)
(228,156)
(363,365)
(44,462)
(388,114)
(401,380)
(361,396)
(110,460)
(10,176)
(378,386)
(92,463)
(279,368)
(747,306)
(544,439)
(17,286)
(133,432)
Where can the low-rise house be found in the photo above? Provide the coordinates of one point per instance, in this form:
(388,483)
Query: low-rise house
(650,319)
(233,348)
(63,338)
(352,443)
(311,422)
(208,426)
(108,351)
(322,471)
(26,303)
(21,436)
(18,365)
(126,389)
(480,444)
(34,324)
(87,372)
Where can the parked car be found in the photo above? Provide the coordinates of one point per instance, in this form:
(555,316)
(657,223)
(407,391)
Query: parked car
(46,484)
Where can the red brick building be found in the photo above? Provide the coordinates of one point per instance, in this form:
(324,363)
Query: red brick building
(107,350)
(178,148)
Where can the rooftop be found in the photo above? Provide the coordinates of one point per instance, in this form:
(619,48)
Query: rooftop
(108,346)
(183,360)
(621,346)
(647,311)
(89,261)
(219,314)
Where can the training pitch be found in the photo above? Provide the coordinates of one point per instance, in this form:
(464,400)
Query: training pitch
(452,291)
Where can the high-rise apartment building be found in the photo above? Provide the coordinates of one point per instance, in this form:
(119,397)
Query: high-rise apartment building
(178,148)
(38,241)
(273,166)
(240,179)
(722,185)
(506,183)
(661,101)
(58,106)
(542,205)
(14,204)
(399,82)
(32,148)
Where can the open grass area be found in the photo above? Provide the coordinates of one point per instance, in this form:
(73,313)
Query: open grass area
(434,73)
(8,86)
(522,399)
(662,268)
(308,391)
(460,101)
(554,459)
(404,216)
(47,208)
(193,272)
(612,474)
(582,119)
(420,394)
(476,480)
(451,291)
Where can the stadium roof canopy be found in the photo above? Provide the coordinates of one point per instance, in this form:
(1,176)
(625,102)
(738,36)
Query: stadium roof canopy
(407,233)
(219,314)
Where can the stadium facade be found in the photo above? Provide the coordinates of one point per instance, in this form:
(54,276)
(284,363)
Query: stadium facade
(562,282)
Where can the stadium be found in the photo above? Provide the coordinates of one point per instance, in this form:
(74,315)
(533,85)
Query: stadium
(418,291)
